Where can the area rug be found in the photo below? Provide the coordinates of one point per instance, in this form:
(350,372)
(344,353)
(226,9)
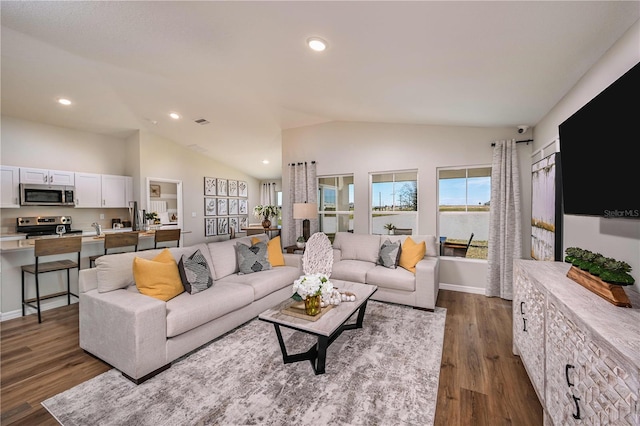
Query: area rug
(385,373)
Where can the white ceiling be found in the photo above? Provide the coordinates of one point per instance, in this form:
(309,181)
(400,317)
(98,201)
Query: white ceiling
(244,66)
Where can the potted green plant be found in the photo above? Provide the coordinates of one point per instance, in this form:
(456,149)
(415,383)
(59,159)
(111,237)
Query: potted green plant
(390,227)
(300,242)
(266,212)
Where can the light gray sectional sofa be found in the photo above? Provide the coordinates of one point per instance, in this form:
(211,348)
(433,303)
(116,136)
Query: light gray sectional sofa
(141,335)
(355,259)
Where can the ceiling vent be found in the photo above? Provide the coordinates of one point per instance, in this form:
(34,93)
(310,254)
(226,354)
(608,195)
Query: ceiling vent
(201,121)
(197,148)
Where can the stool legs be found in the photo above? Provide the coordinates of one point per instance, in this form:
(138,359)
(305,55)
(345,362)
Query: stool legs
(23,310)
(38,295)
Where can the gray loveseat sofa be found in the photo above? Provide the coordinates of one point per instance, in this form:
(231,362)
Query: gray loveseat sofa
(141,335)
(355,259)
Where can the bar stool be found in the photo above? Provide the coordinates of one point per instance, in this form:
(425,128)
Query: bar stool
(117,240)
(49,247)
(166,235)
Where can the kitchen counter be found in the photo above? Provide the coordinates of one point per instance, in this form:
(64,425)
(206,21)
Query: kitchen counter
(88,238)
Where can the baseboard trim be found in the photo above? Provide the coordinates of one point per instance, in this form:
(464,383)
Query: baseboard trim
(462,288)
(44,306)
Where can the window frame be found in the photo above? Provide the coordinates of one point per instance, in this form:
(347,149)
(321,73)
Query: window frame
(395,212)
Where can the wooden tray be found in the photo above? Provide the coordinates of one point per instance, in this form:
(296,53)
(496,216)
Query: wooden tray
(612,293)
(295,310)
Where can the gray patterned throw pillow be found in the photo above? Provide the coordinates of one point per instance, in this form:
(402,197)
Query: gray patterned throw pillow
(194,273)
(252,259)
(389,254)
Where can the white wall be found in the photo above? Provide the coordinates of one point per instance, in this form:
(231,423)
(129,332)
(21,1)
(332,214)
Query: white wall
(162,158)
(617,238)
(361,148)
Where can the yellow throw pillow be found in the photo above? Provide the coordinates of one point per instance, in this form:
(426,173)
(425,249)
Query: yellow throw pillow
(159,277)
(274,250)
(411,254)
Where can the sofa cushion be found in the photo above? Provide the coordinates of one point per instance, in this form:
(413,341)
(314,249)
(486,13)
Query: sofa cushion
(188,311)
(274,250)
(158,277)
(252,258)
(399,279)
(351,270)
(357,246)
(411,254)
(194,272)
(389,254)
(115,271)
(266,282)
(223,255)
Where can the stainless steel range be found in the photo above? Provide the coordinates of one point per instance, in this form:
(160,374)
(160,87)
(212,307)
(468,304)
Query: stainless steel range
(44,225)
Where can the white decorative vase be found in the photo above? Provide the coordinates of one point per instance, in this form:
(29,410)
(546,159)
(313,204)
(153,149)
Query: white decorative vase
(300,245)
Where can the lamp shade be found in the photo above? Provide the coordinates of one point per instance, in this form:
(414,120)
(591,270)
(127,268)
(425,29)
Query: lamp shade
(305,210)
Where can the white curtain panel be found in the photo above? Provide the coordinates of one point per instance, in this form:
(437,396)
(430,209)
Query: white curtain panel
(303,188)
(268,194)
(504,220)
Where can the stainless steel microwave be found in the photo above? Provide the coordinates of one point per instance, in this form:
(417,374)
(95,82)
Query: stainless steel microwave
(46,195)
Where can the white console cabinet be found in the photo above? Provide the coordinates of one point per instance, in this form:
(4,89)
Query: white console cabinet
(581,352)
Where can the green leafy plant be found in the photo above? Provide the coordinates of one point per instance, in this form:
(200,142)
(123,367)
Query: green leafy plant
(300,239)
(389,226)
(608,269)
(152,216)
(266,211)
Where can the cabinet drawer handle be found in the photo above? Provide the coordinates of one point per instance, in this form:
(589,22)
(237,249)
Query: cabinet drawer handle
(566,374)
(577,415)
(524,320)
(522,308)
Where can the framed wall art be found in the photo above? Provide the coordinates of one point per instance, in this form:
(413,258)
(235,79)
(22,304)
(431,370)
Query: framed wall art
(242,207)
(233,206)
(210,206)
(233,188)
(546,209)
(210,186)
(154,191)
(222,207)
(210,226)
(234,224)
(243,222)
(223,225)
(243,189)
(222,187)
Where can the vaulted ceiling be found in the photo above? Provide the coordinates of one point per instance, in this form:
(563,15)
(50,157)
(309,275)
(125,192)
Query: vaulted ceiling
(245,67)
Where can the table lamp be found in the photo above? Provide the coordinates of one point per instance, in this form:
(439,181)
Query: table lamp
(305,211)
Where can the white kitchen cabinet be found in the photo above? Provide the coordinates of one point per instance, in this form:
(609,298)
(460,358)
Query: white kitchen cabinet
(10,190)
(88,192)
(117,191)
(47,177)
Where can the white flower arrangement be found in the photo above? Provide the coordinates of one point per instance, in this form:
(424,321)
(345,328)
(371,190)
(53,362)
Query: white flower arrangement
(312,285)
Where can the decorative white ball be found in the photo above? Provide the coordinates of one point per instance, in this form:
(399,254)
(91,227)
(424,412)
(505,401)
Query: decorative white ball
(352,298)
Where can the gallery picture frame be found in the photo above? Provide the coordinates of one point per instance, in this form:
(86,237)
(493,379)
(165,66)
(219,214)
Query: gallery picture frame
(242,207)
(243,189)
(233,206)
(210,186)
(223,225)
(234,223)
(243,222)
(232,188)
(222,187)
(210,206)
(154,191)
(546,208)
(210,226)
(223,206)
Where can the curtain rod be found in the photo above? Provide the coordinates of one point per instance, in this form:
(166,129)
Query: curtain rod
(526,140)
(299,164)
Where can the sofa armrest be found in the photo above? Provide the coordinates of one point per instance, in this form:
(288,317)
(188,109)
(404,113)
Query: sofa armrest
(88,279)
(427,282)
(125,329)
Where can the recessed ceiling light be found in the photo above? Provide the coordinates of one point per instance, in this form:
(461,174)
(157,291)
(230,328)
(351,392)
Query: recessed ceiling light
(64,101)
(317,44)
(265,161)
(174,115)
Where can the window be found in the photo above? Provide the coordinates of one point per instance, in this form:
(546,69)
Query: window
(464,197)
(394,201)
(335,204)
(279,204)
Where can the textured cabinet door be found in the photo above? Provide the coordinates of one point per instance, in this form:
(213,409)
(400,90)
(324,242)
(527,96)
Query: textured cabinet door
(88,190)
(528,329)
(9,191)
(585,383)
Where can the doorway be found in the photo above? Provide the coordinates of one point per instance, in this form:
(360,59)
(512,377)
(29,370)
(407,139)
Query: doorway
(164,196)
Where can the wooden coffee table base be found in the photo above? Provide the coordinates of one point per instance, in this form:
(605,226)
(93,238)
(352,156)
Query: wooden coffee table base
(317,354)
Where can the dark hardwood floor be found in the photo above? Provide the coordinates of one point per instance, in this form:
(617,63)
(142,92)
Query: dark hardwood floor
(481,381)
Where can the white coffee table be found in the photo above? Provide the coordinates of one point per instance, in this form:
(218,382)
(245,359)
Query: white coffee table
(327,328)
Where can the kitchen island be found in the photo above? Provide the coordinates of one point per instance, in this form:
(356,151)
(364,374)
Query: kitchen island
(16,251)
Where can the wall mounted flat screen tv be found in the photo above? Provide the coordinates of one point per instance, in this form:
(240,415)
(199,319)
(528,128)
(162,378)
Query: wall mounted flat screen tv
(599,143)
